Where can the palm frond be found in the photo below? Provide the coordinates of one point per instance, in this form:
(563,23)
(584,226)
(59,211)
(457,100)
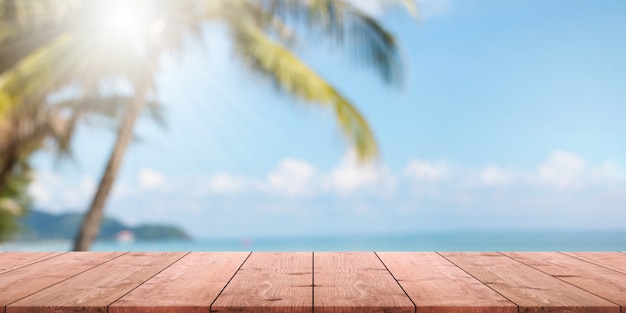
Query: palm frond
(63,63)
(370,43)
(42,72)
(113,107)
(26,26)
(294,77)
(29,127)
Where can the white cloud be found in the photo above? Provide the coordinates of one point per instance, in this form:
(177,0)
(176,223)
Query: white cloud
(295,178)
(427,177)
(41,188)
(351,176)
(292,178)
(226,184)
(562,170)
(433,179)
(608,171)
(150,179)
(81,194)
(39,192)
(424,192)
(421,170)
(298,178)
(52,192)
(494,175)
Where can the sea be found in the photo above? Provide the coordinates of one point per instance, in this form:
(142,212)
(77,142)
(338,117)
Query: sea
(424,241)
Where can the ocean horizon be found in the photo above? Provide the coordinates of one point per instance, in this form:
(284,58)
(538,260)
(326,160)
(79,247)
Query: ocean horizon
(598,240)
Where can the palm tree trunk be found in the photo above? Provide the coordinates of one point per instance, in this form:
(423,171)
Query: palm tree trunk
(93,219)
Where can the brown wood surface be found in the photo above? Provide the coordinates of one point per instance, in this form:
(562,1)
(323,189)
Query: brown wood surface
(529,288)
(24,281)
(356,282)
(269,282)
(95,289)
(283,282)
(187,286)
(601,281)
(436,286)
(613,260)
(12,260)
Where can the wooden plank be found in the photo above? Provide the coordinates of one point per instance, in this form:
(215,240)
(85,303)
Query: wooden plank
(12,260)
(189,285)
(24,281)
(613,260)
(601,281)
(356,282)
(270,282)
(95,289)
(436,286)
(530,289)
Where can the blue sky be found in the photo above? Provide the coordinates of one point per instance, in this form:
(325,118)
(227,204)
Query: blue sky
(511,117)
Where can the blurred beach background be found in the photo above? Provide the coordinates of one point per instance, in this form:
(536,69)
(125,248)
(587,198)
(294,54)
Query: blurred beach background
(431,241)
(506,133)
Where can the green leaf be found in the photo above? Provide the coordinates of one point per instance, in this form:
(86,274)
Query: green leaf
(295,78)
(370,43)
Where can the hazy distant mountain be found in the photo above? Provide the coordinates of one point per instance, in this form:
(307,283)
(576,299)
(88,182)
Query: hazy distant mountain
(38,225)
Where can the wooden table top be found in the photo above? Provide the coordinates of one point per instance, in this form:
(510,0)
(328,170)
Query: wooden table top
(313,282)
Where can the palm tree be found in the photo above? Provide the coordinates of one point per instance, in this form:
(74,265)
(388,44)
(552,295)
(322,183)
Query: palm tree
(29,128)
(263,33)
(26,26)
(30,121)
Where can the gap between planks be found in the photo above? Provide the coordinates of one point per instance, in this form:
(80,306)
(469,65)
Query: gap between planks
(616,262)
(529,288)
(13,260)
(191,284)
(598,280)
(394,277)
(593,265)
(20,287)
(106,283)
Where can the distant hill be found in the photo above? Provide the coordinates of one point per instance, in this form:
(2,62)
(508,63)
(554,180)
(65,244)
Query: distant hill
(38,225)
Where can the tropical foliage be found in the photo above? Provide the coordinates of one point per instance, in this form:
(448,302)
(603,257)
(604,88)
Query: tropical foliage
(23,128)
(14,199)
(99,45)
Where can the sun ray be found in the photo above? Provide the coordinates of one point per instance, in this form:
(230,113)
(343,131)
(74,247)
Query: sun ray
(123,23)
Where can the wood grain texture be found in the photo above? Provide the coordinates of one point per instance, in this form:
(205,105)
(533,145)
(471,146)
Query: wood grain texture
(613,260)
(190,285)
(436,286)
(12,260)
(270,282)
(282,282)
(24,281)
(95,289)
(529,288)
(601,281)
(356,282)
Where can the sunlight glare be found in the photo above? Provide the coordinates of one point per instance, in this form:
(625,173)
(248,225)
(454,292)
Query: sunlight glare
(124,20)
